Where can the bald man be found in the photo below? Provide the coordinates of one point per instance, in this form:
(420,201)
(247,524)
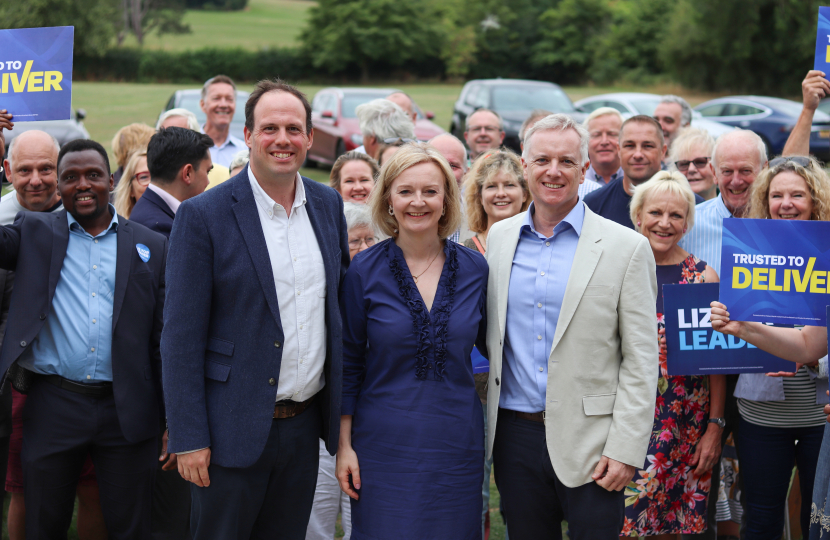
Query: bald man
(455,153)
(404,102)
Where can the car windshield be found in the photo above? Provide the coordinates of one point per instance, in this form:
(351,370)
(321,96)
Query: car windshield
(525,98)
(645,106)
(351,101)
(191,103)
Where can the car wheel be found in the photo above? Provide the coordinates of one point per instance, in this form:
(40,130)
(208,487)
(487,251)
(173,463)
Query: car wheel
(340,150)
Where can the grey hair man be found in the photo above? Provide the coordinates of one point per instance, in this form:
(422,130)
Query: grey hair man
(402,100)
(546,267)
(178,117)
(380,120)
(535,116)
(219,105)
(674,113)
(454,151)
(604,125)
(484,131)
(691,155)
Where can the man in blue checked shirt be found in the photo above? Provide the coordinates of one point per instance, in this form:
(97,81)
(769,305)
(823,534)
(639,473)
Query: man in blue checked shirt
(83,342)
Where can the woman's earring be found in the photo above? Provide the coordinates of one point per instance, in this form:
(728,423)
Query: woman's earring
(684,230)
(391,212)
(443,211)
(638,223)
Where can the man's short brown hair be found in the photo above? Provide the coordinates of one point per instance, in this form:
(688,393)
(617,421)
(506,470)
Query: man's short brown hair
(278,85)
(218,79)
(643,119)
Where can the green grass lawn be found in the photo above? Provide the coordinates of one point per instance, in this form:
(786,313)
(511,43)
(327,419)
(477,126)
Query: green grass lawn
(264,23)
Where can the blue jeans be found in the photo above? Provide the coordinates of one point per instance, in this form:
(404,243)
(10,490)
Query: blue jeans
(767,456)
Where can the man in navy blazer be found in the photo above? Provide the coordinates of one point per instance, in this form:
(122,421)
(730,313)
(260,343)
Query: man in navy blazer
(179,163)
(82,340)
(252,339)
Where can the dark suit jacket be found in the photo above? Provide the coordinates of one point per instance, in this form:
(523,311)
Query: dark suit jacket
(35,247)
(152,212)
(222,340)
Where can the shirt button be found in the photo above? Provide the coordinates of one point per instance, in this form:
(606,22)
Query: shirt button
(272,381)
(301,327)
(94,321)
(298,293)
(302,360)
(93,294)
(277,344)
(543,273)
(539,304)
(92,349)
(88,377)
(42,316)
(295,258)
(96,241)
(539,337)
(541,368)
(95,267)
(547,243)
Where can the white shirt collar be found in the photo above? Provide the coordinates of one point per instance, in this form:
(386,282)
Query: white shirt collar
(171,201)
(267,203)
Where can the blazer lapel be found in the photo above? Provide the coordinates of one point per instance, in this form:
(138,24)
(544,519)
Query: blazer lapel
(314,204)
(60,241)
(505,265)
(123,257)
(247,217)
(156,199)
(585,262)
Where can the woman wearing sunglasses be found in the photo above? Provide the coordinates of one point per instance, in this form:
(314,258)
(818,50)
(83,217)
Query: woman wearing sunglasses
(127,193)
(781,423)
(691,155)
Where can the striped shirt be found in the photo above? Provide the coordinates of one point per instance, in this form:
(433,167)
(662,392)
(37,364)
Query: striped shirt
(798,409)
(704,239)
(588,186)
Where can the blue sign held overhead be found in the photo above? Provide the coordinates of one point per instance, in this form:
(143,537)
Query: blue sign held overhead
(695,348)
(775,270)
(36,73)
(822,60)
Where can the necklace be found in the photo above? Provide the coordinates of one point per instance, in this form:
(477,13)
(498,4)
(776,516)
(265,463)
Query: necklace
(415,278)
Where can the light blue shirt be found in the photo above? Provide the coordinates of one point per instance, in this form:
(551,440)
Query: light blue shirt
(541,267)
(223,155)
(76,339)
(594,177)
(704,239)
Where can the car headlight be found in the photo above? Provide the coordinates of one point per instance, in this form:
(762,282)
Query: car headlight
(357,138)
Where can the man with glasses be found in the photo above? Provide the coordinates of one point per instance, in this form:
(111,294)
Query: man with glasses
(604,125)
(691,155)
(485,131)
(179,161)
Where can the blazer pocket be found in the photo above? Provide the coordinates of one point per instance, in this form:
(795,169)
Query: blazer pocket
(599,404)
(216,371)
(220,346)
(598,290)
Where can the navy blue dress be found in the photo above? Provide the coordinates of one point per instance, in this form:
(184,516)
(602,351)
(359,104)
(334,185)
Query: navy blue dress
(417,428)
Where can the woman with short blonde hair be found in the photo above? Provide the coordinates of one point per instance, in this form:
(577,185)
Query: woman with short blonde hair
(664,182)
(136,178)
(127,141)
(410,412)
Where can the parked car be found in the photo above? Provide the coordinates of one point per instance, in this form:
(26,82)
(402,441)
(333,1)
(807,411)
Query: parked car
(63,130)
(514,100)
(336,128)
(189,99)
(633,103)
(771,118)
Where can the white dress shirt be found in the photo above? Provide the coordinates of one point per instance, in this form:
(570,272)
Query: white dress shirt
(300,279)
(171,201)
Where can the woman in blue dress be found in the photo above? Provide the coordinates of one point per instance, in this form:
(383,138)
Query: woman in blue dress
(411,443)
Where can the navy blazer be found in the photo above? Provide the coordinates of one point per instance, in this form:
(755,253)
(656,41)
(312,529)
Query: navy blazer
(153,212)
(34,246)
(222,339)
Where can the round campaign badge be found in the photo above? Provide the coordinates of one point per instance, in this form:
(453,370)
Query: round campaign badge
(143,252)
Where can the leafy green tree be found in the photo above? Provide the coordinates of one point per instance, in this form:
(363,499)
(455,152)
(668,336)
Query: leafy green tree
(95,21)
(567,47)
(381,34)
(141,17)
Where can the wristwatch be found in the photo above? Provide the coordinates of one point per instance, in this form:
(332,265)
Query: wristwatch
(721,422)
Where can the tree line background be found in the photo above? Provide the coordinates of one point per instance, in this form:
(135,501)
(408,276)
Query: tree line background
(752,46)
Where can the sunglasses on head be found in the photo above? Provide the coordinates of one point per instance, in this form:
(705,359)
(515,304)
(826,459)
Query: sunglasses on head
(803,161)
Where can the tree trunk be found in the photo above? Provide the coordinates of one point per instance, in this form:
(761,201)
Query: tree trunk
(364,72)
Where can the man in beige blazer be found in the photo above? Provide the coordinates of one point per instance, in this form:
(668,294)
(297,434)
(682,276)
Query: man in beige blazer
(573,347)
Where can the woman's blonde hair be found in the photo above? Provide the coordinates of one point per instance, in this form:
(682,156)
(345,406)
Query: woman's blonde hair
(123,194)
(664,182)
(484,169)
(408,156)
(817,182)
(129,140)
(334,177)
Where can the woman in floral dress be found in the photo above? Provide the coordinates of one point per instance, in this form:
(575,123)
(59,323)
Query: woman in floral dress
(669,495)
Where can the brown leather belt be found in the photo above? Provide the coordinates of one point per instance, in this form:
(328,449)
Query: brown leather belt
(533,417)
(290,409)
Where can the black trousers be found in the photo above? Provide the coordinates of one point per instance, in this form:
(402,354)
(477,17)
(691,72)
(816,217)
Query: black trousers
(59,429)
(270,500)
(171,504)
(535,501)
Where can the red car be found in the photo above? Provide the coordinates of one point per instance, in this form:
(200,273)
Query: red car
(336,128)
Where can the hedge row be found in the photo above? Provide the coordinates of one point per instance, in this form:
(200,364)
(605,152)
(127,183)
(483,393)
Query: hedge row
(136,65)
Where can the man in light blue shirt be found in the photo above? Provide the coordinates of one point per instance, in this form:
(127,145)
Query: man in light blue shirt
(219,104)
(604,125)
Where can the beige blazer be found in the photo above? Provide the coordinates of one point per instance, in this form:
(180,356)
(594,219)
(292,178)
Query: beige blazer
(603,365)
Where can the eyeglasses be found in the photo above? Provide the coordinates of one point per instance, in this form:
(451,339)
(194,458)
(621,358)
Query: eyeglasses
(356,242)
(142,178)
(398,141)
(804,161)
(683,165)
(486,129)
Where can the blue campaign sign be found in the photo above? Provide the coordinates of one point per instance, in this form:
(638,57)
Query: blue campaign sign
(822,61)
(480,364)
(775,270)
(695,348)
(36,73)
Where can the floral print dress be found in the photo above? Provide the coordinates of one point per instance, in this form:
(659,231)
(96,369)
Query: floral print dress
(665,497)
